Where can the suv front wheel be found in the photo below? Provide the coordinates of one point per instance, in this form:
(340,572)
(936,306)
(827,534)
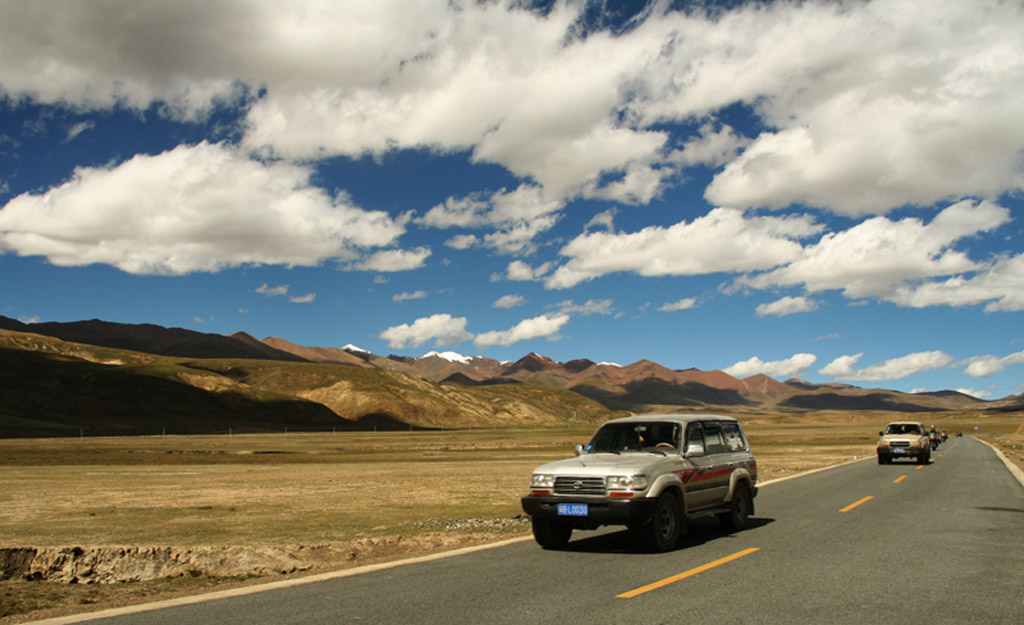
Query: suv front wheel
(662,531)
(551,534)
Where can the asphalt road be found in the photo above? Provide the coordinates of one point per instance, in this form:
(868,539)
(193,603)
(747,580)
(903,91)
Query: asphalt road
(860,543)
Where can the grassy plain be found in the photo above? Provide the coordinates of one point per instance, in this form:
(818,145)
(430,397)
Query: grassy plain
(376,495)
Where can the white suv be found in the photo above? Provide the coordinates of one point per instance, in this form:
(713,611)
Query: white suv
(904,439)
(651,473)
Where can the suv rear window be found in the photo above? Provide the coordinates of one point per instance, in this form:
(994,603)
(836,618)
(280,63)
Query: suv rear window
(733,437)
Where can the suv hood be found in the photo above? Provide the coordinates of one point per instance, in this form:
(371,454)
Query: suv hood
(627,463)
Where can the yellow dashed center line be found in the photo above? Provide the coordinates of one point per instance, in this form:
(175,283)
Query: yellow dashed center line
(690,573)
(856,503)
(900,479)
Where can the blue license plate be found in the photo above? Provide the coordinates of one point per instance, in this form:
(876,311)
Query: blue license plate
(573,509)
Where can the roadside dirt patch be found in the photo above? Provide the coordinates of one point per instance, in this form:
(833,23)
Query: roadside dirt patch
(118,565)
(108,577)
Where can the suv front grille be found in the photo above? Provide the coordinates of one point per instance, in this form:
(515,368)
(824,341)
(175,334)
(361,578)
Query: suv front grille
(579,486)
(900,443)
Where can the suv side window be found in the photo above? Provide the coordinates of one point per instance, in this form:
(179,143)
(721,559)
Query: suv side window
(694,436)
(733,437)
(713,438)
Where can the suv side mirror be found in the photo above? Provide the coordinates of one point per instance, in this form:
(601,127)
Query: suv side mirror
(578,449)
(694,450)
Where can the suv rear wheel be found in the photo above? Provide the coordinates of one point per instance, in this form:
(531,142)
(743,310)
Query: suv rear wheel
(739,510)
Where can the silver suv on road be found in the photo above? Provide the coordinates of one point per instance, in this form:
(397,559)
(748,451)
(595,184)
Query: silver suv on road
(650,473)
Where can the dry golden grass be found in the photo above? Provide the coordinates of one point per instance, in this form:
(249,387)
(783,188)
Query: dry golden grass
(330,489)
(260,489)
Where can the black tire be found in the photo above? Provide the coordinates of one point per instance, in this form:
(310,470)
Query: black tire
(924,458)
(882,459)
(662,532)
(551,534)
(738,516)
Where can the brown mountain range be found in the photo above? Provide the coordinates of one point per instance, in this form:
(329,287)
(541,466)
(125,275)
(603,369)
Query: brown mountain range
(643,386)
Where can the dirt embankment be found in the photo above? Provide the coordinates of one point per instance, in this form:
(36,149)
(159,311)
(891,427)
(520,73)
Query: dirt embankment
(111,564)
(105,565)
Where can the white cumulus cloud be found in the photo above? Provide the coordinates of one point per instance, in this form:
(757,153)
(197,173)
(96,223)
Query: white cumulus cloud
(520,271)
(880,257)
(544,326)
(842,368)
(404,297)
(984,366)
(999,285)
(787,306)
(724,240)
(792,366)
(684,304)
(869,106)
(198,208)
(394,260)
(509,301)
(443,329)
(590,307)
(271,291)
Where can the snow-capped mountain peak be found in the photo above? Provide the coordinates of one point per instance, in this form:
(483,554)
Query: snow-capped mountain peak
(449,356)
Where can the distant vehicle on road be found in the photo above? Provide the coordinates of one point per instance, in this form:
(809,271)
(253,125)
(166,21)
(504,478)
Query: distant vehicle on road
(904,439)
(650,473)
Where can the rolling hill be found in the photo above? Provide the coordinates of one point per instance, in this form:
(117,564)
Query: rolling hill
(52,387)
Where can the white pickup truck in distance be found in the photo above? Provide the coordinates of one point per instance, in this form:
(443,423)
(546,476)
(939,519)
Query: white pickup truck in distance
(650,473)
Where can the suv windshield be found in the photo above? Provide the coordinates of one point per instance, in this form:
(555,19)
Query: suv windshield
(900,428)
(635,436)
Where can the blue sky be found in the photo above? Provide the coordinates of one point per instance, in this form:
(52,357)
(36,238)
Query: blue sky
(827,190)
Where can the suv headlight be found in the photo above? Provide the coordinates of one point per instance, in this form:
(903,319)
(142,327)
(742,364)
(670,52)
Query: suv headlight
(626,482)
(539,480)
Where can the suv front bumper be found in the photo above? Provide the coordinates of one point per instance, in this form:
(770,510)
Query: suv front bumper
(600,510)
(902,452)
